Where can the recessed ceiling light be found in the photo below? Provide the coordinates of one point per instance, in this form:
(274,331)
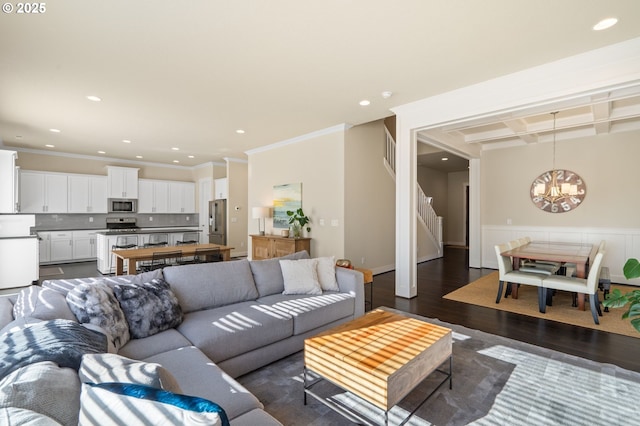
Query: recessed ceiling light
(94,98)
(175,149)
(176,161)
(386,94)
(191,156)
(50,146)
(240,131)
(54,130)
(138,156)
(365,102)
(445,159)
(605,23)
(101,152)
(126,141)
(18,136)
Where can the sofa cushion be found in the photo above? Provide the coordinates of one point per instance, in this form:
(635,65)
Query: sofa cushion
(327,273)
(21,417)
(6,311)
(44,388)
(61,341)
(152,345)
(65,285)
(198,376)
(267,273)
(255,417)
(310,312)
(42,303)
(232,330)
(101,368)
(209,285)
(149,307)
(97,304)
(300,276)
(140,405)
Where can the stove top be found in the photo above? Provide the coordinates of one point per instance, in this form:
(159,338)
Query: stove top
(122,224)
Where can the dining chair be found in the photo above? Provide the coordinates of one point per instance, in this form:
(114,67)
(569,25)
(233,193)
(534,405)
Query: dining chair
(123,242)
(208,255)
(508,275)
(161,259)
(587,286)
(157,240)
(189,238)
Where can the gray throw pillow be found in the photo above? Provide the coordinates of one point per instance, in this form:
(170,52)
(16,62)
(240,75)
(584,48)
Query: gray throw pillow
(42,303)
(149,307)
(96,304)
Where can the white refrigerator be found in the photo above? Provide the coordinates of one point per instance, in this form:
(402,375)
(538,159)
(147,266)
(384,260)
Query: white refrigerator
(19,263)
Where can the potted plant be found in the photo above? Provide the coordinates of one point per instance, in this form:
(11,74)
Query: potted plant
(616,299)
(298,220)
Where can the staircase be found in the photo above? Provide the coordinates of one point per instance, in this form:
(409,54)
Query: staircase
(426,214)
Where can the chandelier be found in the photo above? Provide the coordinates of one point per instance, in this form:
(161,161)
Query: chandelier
(557,190)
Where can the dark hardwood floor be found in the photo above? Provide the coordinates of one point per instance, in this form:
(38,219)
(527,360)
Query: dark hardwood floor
(441,276)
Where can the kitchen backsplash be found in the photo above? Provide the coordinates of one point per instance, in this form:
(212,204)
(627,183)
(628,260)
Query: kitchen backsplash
(58,222)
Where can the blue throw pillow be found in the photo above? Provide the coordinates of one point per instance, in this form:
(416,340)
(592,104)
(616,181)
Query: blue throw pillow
(131,404)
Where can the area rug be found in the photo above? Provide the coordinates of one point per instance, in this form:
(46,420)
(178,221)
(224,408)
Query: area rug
(482,292)
(50,271)
(496,381)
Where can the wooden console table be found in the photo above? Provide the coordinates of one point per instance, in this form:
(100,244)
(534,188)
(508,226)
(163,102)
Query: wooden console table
(270,246)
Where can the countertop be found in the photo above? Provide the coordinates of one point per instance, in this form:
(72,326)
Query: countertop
(149,231)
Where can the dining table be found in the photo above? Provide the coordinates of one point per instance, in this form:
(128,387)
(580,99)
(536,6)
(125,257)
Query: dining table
(135,255)
(562,252)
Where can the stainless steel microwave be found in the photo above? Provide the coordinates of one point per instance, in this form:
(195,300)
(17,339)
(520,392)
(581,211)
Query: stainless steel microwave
(121,205)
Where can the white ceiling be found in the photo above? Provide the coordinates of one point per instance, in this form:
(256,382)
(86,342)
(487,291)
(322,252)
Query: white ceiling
(187,75)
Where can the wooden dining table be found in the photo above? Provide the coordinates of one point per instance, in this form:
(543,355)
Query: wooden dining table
(141,254)
(577,253)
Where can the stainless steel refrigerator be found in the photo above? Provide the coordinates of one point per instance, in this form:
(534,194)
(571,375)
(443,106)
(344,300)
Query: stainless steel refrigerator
(218,222)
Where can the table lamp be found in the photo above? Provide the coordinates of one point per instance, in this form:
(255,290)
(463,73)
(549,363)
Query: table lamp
(261,213)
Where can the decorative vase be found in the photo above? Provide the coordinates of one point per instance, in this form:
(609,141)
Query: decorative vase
(296,230)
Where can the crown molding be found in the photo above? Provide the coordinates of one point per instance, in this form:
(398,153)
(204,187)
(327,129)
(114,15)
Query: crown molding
(329,130)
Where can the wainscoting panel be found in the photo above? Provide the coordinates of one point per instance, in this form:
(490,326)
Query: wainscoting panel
(621,243)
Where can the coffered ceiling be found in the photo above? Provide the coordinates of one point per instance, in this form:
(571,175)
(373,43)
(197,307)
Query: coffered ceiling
(177,80)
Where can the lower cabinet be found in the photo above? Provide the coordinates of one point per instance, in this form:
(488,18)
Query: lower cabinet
(61,246)
(270,246)
(67,246)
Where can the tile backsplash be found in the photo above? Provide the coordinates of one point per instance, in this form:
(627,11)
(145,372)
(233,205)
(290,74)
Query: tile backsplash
(58,222)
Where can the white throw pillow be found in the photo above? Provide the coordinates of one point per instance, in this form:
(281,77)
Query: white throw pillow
(45,388)
(101,368)
(300,276)
(327,273)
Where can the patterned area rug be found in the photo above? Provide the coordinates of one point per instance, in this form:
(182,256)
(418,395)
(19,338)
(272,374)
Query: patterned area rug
(496,381)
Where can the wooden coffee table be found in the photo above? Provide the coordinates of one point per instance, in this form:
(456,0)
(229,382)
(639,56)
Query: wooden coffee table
(380,357)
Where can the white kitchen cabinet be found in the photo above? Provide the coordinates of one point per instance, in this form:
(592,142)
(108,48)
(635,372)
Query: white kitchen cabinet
(8,182)
(61,246)
(84,245)
(182,197)
(122,182)
(43,192)
(221,189)
(153,196)
(87,194)
(44,246)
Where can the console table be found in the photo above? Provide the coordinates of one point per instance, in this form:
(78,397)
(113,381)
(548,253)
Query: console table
(270,246)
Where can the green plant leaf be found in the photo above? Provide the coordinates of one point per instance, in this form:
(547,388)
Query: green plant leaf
(636,324)
(634,310)
(631,269)
(615,299)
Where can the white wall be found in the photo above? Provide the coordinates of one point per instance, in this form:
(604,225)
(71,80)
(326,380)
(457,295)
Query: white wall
(237,207)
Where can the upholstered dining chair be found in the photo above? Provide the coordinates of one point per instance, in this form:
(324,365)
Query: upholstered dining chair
(587,286)
(508,275)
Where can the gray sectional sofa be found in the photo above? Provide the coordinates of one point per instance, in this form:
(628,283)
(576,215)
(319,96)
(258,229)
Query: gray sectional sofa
(216,322)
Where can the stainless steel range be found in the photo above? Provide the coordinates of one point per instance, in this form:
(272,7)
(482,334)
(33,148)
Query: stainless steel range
(122,224)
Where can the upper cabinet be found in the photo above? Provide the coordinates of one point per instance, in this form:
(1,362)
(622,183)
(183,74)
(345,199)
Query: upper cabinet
(182,197)
(43,192)
(87,194)
(153,196)
(8,182)
(122,182)
(221,189)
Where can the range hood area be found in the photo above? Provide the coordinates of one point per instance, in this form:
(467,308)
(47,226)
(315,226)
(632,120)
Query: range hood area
(18,251)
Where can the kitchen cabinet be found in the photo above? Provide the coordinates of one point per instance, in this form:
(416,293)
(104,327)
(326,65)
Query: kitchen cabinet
(44,246)
(182,197)
(221,189)
(153,196)
(43,192)
(8,182)
(87,194)
(84,245)
(106,260)
(122,182)
(61,244)
(270,246)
